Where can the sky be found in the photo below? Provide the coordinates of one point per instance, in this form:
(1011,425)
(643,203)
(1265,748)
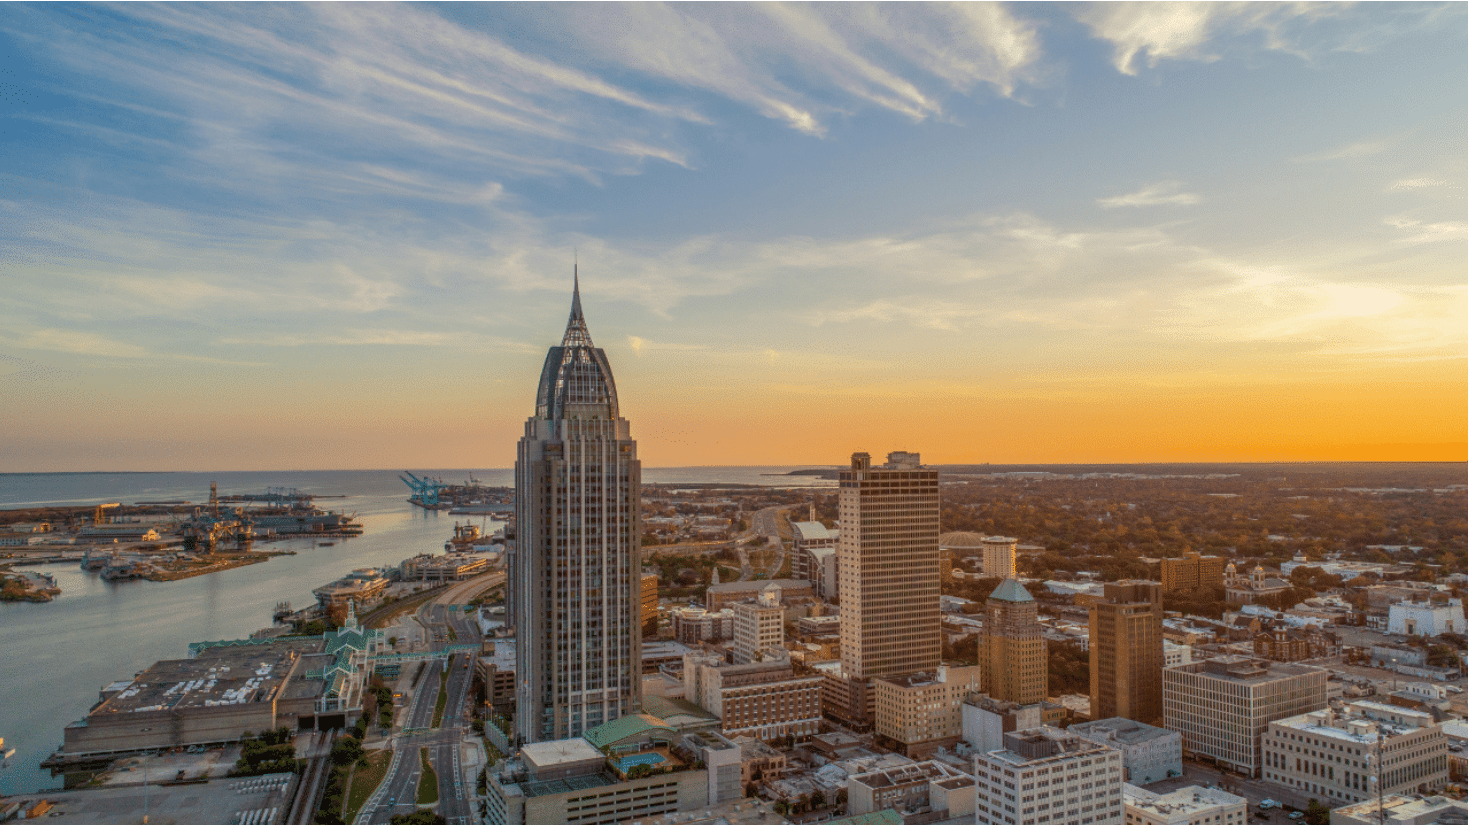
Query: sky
(336,236)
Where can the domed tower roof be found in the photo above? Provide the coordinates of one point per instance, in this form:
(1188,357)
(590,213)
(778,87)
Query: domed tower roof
(576,380)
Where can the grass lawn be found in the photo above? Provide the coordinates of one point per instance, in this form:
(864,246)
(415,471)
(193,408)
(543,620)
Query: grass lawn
(365,780)
(440,702)
(428,780)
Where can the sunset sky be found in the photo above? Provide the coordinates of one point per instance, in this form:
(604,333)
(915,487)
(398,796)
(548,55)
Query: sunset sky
(342,236)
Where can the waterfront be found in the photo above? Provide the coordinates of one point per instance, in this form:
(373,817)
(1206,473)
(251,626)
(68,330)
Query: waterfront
(58,654)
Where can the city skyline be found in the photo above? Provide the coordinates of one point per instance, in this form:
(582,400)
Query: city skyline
(339,236)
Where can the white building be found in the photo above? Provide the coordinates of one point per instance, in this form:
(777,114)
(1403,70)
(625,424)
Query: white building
(760,627)
(1177,654)
(1186,806)
(1426,619)
(1149,753)
(1333,755)
(1223,705)
(575,574)
(1046,775)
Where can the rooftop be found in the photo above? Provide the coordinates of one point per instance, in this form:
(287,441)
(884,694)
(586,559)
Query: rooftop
(1190,800)
(559,752)
(1122,730)
(1245,670)
(1011,590)
(625,726)
(225,676)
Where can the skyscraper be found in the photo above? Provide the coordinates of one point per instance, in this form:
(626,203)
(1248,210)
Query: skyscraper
(888,562)
(575,567)
(1126,652)
(1012,649)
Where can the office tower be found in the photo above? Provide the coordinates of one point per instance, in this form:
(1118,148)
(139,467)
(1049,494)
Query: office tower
(998,556)
(1012,649)
(1222,706)
(1191,572)
(1048,775)
(760,627)
(577,537)
(888,561)
(1126,652)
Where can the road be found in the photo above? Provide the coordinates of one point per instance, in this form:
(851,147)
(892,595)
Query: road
(764,522)
(398,792)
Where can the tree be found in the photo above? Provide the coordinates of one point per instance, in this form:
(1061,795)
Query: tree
(819,799)
(1317,813)
(782,807)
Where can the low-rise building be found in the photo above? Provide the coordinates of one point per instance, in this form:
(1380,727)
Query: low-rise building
(1149,753)
(1186,806)
(1222,706)
(921,711)
(985,720)
(914,791)
(1288,644)
(692,625)
(1334,755)
(718,596)
(766,700)
(1425,618)
(497,672)
(446,568)
(1046,775)
(361,586)
(814,555)
(572,781)
(1402,810)
(1177,654)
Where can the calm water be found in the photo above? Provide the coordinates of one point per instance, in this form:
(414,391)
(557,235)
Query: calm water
(55,657)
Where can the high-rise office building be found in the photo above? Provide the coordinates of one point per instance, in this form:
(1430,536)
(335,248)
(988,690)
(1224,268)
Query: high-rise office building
(1012,649)
(888,561)
(888,575)
(576,571)
(1126,652)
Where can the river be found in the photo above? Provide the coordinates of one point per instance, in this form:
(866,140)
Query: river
(55,657)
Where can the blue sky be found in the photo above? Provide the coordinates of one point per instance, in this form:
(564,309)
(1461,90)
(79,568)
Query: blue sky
(340,235)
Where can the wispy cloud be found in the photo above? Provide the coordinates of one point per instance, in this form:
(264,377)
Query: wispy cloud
(1158,194)
(1420,232)
(1351,151)
(1154,32)
(1416,183)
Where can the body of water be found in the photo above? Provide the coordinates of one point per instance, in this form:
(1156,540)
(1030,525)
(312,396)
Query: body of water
(58,655)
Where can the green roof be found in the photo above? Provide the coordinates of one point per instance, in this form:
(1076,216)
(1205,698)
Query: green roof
(624,727)
(1011,590)
(887,816)
(677,713)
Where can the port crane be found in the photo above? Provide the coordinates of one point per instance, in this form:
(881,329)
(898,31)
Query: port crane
(425,490)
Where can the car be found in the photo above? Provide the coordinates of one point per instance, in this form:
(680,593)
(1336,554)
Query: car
(1295,815)
(1268,804)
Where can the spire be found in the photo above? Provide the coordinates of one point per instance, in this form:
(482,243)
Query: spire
(576,334)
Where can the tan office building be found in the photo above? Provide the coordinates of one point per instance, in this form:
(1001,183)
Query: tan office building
(888,561)
(1012,649)
(1191,572)
(921,711)
(1126,652)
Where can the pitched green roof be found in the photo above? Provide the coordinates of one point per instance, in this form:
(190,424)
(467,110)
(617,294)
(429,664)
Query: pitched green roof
(1011,590)
(624,727)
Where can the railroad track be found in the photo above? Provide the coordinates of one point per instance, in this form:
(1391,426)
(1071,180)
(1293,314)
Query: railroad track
(313,782)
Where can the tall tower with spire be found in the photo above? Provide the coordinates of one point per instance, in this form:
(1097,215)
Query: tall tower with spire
(575,568)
